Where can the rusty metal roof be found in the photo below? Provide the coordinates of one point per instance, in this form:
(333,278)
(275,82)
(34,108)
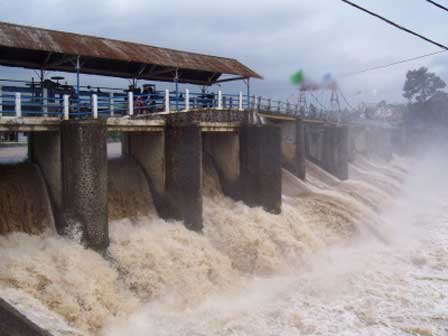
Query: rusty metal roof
(38,48)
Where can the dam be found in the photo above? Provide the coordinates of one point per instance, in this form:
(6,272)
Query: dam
(206,193)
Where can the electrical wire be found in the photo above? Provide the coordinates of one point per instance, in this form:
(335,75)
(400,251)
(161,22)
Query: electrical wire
(391,64)
(437,5)
(395,24)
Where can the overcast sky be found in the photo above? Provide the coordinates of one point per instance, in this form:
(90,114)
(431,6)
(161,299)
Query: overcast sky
(275,38)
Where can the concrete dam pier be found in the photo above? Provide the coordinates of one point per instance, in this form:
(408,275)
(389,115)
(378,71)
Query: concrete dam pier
(71,157)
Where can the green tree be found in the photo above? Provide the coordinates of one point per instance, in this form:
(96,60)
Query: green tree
(421,85)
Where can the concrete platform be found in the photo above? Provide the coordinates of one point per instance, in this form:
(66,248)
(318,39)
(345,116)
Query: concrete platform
(29,124)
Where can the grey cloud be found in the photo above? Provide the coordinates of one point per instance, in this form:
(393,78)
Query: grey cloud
(273,37)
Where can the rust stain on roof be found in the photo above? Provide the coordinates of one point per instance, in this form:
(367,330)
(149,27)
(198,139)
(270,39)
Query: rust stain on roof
(36,39)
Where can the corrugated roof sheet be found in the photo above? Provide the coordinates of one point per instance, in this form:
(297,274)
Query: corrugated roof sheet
(37,48)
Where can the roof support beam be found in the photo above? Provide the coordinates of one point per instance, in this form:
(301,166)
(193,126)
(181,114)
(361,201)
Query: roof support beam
(229,79)
(63,60)
(210,79)
(163,71)
(141,70)
(47,59)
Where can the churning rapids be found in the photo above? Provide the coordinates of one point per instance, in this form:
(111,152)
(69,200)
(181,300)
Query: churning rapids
(368,256)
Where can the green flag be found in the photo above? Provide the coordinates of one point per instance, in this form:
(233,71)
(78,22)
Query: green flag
(298,77)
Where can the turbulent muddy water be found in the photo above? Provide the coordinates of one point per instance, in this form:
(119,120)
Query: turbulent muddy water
(367,256)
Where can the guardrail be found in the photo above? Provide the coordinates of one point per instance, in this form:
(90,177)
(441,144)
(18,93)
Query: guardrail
(22,102)
(18,102)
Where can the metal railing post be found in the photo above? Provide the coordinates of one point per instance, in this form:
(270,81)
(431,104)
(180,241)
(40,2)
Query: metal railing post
(95,106)
(187,100)
(269,104)
(219,100)
(18,105)
(248,93)
(130,103)
(259,103)
(240,102)
(1,101)
(296,109)
(111,103)
(287,107)
(254,102)
(66,107)
(167,100)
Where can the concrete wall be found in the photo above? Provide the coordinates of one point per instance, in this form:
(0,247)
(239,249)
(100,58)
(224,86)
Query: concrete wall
(223,150)
(288,142)
(374,141)
(14,323)
(148,149)
(358,143)
(293,147)
(335,151)
(84,181)
(44,149)
(399,141)
(379,142)
(183,155)
(260,160)
(328,147)
(314,142)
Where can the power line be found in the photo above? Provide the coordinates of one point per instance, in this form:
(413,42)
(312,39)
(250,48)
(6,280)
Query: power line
(395,24)
(345,100)
(392,64)
(437,5)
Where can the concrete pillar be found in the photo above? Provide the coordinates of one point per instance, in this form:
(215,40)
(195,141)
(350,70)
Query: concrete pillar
(314,142)
(379,143)
(335,151)
(300,150)
(358,137)
(223,149)
(352,133)
(384,144)
(84,181)
(398,140)
(183,153)
(148,149)
(260,164)
(372,142)
(293,147)
(44,149)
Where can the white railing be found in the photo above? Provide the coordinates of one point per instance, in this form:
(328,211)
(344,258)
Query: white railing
(46,103)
